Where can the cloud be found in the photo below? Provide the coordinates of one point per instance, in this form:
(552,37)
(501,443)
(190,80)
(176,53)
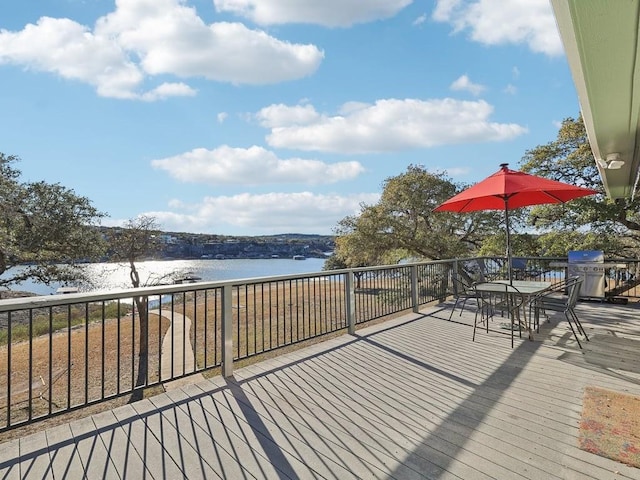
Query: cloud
(253,166)
(168,90)
(420,20)
(74,53)
(144,38)
(510,89)
(463,83)
(281,115)
(222,116)
(329,13)
(502,22)
(270,213)
(389,125)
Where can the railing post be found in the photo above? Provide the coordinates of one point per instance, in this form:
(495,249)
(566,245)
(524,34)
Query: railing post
(227,331)
(414,288)
(351,302)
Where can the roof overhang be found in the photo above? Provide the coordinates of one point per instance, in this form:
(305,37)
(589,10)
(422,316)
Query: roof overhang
(600,39)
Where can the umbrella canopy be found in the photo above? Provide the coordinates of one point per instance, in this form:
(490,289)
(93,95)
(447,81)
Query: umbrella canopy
(508,189)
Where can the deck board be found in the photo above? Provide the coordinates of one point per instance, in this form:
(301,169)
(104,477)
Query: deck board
(410,398)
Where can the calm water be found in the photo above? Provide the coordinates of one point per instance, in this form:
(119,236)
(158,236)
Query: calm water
(107,276)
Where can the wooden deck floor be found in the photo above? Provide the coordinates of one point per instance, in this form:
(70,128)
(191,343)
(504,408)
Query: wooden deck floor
(411,398)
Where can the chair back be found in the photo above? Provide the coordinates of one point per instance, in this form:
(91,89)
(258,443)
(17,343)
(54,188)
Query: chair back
(573,286)
(459,284)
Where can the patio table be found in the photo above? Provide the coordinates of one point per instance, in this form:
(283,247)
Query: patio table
(527,289)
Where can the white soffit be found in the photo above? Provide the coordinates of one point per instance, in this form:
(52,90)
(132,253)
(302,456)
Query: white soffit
(600,38)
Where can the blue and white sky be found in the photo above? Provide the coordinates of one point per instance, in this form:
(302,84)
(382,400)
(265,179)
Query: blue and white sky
(253,117)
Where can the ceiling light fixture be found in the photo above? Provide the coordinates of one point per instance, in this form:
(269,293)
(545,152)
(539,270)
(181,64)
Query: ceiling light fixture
(612,162)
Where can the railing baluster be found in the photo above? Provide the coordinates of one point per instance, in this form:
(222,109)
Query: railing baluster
(50,383)
(68,356)
(103,350)
(9,372)
(30,414)
(227,333)
(86,355)
(118,358)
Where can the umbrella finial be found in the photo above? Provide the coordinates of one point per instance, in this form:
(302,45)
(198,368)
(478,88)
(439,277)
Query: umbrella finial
(504,166)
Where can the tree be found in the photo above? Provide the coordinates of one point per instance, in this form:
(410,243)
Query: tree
(137,240)
(45,229)
(524,244)
(569,159)
(403,224)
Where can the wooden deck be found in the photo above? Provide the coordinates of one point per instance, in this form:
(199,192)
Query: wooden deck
(411,398)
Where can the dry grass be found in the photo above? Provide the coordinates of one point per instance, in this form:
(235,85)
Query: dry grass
(79,368)
(268,320)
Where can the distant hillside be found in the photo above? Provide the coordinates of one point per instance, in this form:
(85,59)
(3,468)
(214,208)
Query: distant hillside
(194,245)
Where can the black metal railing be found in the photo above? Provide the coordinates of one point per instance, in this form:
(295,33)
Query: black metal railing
(63,352)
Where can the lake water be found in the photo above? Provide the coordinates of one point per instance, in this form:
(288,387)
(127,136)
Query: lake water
(107,276)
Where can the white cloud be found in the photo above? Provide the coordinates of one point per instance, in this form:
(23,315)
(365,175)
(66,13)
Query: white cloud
(72,52)
(281,115)
(387,126)
(168,90)
(253,166)
(510,89)
(463,83)
(222,116)
(500,22)
(420,20)
(330,13)
(145,38)
(302,212)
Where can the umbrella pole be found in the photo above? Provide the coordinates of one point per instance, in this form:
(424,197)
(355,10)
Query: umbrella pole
(506,222)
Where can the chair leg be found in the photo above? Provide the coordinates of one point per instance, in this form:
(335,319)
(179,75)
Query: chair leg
(454,308)
(512,325)
(578,324)
(475,322)
(568,317)
(464,302)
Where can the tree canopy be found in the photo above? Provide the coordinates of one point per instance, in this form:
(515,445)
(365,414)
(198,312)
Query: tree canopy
(595,221)
(403,224)
(45,228)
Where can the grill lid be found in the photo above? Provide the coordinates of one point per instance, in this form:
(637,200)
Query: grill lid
(585,256)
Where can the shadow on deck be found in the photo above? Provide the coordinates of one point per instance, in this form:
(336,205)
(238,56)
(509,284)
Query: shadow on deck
(411,398)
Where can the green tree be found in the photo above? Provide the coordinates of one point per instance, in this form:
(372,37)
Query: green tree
(45,228)
(524,244)
(403,224)
(616,224)
(557,244)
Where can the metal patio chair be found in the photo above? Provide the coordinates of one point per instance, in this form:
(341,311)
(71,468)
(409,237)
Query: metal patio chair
(498,297)
(462,292)
(566,305)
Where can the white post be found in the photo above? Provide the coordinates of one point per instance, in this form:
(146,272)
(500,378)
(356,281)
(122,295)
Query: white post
(414,288)
(227,331)
(350,302)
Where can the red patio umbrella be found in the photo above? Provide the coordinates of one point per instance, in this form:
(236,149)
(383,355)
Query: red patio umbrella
(508,189)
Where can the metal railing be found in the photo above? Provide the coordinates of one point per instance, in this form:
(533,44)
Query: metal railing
(621,281)
(64,352)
